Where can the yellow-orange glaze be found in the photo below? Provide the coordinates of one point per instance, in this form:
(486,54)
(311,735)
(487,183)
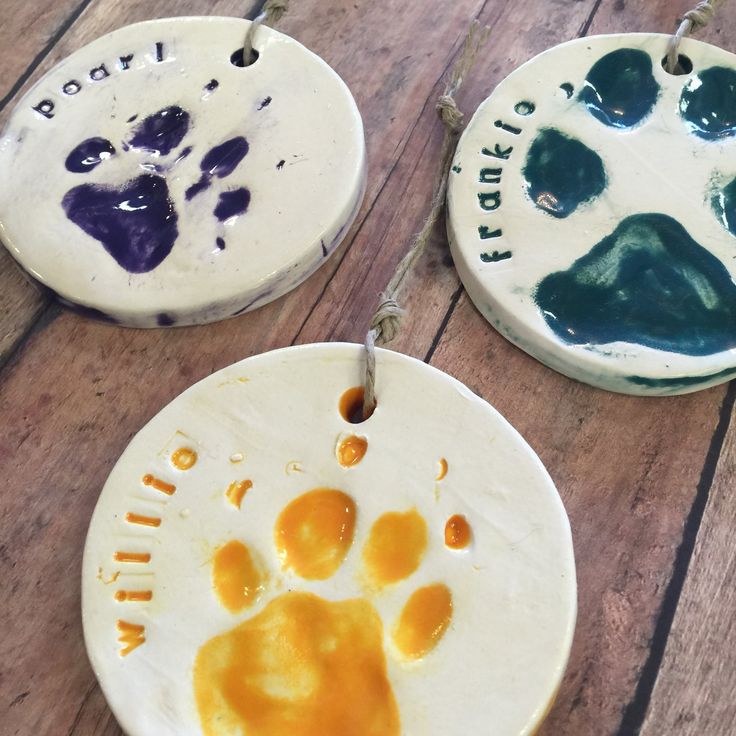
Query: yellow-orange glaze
(395,546)
(184,458)
(457,532)
(160,485)
(236,578)
(236,491)
(131,636)
(142,520)
(304,666)
(109,580)
(141,557)
(133,595)
(351,450)
(423,620)
(443,469)
(314,533)
(351,405)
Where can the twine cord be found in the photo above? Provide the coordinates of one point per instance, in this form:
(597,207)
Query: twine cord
(694,20)
(386,320)
(273,11)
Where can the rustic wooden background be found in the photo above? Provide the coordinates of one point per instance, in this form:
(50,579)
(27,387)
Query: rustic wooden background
(647,482)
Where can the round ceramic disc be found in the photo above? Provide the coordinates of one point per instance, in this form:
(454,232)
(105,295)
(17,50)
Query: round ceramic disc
(592,213)
(224,593)
(153,181)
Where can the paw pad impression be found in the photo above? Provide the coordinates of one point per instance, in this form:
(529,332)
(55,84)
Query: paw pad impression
(275,564)
(136,222)
(319,656)
(260,173)
(601,224)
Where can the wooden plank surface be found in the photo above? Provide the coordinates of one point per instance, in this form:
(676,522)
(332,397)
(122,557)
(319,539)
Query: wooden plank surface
(28,31)
(695,691)
(634,473)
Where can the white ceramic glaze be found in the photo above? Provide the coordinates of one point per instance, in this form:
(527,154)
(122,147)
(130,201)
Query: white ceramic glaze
(274,419)
(304,172)
(505,246)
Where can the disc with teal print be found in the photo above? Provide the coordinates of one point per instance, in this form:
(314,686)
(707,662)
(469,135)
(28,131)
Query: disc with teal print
(592,213)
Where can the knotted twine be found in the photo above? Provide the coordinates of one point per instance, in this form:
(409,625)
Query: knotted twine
(386,321)
(273,11)
(694,20)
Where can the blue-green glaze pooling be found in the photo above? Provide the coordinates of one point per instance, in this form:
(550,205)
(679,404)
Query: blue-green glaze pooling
(724,205)
(708,103)
(620,89)
(647,283)
(561,173)
(682,381)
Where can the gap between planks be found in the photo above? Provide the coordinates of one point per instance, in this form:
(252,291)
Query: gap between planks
(636,711)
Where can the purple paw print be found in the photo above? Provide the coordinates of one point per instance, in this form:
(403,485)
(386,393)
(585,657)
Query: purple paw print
(137,222)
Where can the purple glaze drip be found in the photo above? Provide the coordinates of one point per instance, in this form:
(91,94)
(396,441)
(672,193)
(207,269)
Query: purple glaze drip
(232,203)
(212,85)
(88,154)
(165,320)
(220,242)
(161,132)
(135,223)
(265,102)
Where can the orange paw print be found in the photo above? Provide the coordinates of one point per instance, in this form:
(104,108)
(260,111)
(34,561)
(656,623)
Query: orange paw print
(308,664)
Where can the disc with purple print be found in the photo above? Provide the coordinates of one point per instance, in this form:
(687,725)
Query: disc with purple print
(154,180)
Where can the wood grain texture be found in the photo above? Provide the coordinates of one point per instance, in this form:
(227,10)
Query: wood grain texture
(695,691)
(21,304)
(27,33)
(75,392)
(27,30)
(42,653)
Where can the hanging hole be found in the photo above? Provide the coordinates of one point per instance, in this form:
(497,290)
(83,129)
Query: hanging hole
(236,58)
(684,65)
(351,405)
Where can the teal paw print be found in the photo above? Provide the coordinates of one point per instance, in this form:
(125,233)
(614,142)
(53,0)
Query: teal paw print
(651,281)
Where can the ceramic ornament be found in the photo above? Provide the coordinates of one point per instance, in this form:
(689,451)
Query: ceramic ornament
(592,213)
(259,564)
(150,180)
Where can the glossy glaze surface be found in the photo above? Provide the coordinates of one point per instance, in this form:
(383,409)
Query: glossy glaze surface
(629,284)
(325,597)
(179,188)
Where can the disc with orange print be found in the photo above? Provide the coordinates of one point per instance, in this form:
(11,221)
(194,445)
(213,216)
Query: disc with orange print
(260,562)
